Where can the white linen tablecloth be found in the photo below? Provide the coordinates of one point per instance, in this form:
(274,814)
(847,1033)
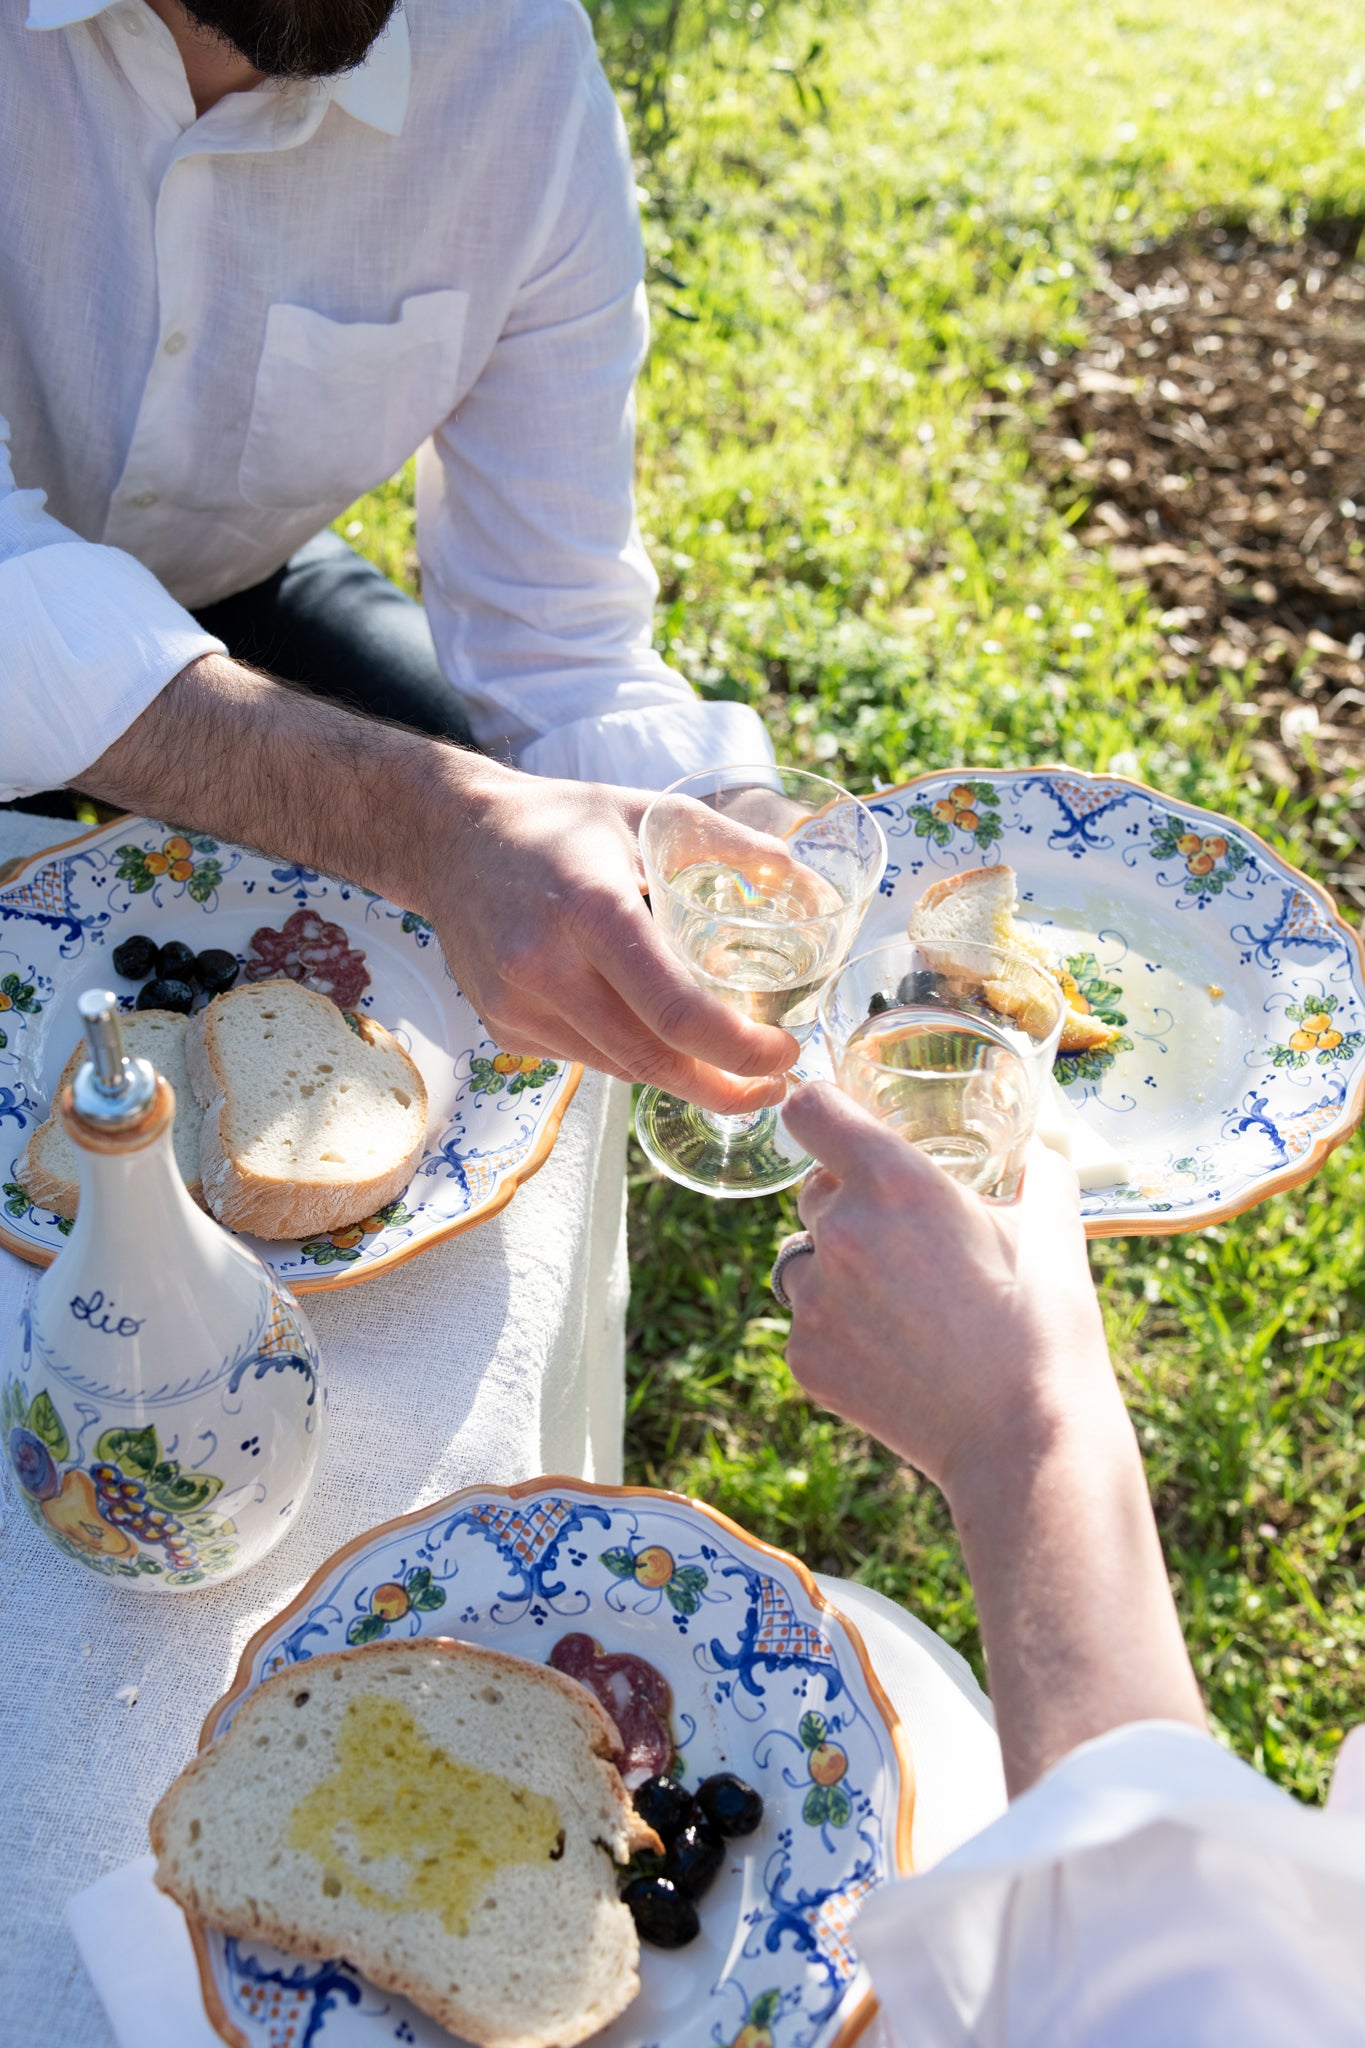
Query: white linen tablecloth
(494,1357)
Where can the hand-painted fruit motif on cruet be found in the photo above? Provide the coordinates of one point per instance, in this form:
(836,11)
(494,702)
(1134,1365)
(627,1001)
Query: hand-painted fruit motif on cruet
(160,1402)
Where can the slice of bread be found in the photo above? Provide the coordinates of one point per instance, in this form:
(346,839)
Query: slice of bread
(49,1170)
(977,907)
(309,1125)
(444,1816)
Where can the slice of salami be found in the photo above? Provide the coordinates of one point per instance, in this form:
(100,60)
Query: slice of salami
(315,953)
(636,1695)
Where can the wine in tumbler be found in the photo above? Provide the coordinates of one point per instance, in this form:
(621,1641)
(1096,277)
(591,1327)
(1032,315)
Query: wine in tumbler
(951,1049)
(758,878)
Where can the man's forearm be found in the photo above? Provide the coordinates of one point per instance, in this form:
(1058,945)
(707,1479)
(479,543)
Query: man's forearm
(227,751)
(1076,1612)
(534,887)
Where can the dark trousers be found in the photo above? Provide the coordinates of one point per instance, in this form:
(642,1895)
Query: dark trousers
(332,623)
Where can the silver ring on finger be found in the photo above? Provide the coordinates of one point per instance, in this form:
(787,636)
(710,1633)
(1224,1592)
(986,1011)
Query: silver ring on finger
(799,1246)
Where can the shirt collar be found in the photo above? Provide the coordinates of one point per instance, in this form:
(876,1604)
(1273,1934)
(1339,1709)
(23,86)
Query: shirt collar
(376,92)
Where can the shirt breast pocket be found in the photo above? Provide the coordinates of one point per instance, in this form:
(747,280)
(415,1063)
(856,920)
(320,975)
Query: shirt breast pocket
(339,405)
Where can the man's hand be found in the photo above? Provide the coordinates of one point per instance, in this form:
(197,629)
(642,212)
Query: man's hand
(540,908)
(948,1326)
(534,886)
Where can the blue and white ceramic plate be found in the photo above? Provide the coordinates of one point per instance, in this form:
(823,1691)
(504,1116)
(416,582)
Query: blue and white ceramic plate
(1238,991)
(492,1119)
(767,1680)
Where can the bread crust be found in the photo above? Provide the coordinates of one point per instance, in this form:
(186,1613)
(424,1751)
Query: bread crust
(603,1740)
(1083,1033)
(969,879)
(270,1205)
(45,1190)
(48,1190)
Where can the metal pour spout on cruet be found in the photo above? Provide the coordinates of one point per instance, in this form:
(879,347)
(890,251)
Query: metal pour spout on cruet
(109,1090)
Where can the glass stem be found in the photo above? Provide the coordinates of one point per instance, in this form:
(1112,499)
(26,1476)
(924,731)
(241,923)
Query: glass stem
(732,1126)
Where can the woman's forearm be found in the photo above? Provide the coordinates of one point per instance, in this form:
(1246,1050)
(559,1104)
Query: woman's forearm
(966,1335)
(1076,1613)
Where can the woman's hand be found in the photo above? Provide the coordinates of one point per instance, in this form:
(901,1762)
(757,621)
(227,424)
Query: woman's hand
(949,1327)
(967,1336)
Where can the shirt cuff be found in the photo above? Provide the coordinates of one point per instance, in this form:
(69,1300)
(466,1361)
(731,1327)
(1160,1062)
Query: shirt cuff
(1137,1854)
(90,639)
(651,747)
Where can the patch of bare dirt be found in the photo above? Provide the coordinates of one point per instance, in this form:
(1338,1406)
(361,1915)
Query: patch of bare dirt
(1217,414)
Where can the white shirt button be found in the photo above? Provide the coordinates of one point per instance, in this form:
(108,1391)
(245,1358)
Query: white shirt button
(173,344)
(132,21)
(144,500)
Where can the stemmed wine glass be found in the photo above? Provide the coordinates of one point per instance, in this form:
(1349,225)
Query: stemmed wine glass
(758,880)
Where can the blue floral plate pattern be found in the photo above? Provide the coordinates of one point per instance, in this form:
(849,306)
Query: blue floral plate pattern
(493,1117)
(1236,988)
(767,1680)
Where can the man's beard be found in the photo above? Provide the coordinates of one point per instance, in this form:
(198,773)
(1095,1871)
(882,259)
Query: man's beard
(295,38)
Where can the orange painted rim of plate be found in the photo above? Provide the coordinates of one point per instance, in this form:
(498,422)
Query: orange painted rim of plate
(323,1283)
(1286,1177)
(860,2015)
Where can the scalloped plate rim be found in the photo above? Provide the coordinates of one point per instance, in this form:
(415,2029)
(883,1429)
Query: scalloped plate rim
(1280,1181)
(322,1283)
(861,2014)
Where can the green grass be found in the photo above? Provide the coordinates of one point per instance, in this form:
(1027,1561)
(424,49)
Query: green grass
(863,226)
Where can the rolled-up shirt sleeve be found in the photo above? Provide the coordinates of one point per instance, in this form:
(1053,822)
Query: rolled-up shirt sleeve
(1151,1889)
(534,575)
(90,638)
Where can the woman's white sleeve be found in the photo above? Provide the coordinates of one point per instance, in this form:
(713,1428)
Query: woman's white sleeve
(1150,1892)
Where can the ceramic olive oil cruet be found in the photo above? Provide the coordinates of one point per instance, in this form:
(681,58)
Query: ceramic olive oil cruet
(162,1403)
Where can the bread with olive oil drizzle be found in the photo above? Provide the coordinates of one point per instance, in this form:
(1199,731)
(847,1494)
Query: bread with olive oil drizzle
(443,1815)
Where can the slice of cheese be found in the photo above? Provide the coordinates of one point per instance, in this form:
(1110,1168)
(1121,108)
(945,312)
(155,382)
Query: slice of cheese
(1061,1126)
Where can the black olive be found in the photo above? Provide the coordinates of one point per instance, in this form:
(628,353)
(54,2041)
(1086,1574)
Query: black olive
(876,1003)
(175,960)
(166,995)
(920,986)
(693,1859)
(135,958)
(731,1806)
(661,1913)
(216,970)
(666,1806)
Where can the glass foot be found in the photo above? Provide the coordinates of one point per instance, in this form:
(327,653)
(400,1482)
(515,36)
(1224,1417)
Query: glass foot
(726,1156)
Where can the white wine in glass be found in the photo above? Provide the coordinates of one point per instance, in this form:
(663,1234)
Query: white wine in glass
(764,949)
(951,1046)
(758,880)
(957,1087)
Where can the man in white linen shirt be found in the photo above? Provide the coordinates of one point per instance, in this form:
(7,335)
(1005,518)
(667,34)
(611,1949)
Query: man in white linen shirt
(1144,1889)
(253,253)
